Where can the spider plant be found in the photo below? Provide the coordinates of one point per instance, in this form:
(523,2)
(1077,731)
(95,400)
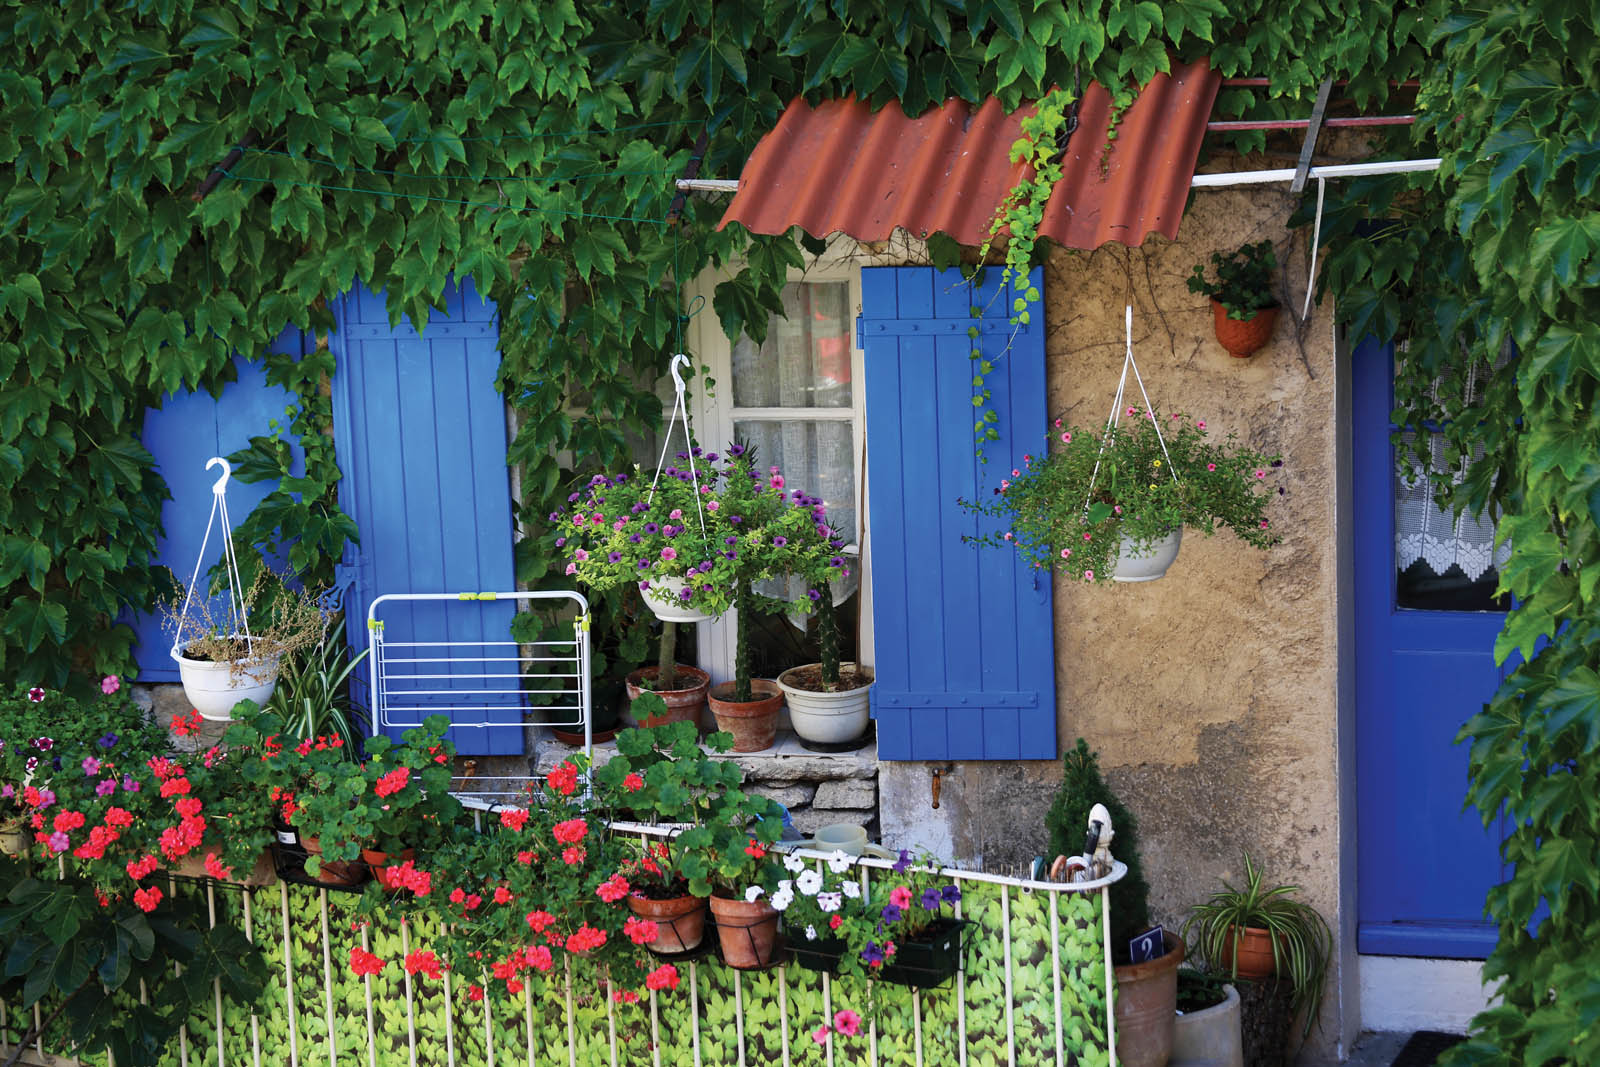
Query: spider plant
(313,695)
(1301,941)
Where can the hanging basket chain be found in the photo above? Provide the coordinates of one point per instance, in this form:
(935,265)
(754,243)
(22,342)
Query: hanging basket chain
(680,411)
(236,604)
(1115,419)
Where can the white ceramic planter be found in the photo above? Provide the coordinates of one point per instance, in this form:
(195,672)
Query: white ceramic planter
(828,718)
(1212,1036)
(1150,564)
(213,689)
(663,597)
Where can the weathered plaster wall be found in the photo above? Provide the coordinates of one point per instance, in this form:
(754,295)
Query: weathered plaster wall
(1211,695)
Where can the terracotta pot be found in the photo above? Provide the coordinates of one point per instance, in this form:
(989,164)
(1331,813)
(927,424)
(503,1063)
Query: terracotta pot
(334,872)
(828,718)
(1254,949)
(682,921)
(1147,1007)
(747,931)
(1243,336)
(683,703)
(379,862)
(753,723)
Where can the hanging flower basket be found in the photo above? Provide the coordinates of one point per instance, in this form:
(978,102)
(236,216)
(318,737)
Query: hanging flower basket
(666,601)
(214,687)
(1149,563)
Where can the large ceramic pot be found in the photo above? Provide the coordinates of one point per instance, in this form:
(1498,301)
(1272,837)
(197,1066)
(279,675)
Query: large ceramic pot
(683,703)
(214,688)
(827,718)
(1243,336)
(1213,1035)
(1147,1007)
(1150,564)
(665,600)
(753,723)
(747,931)
(680,921)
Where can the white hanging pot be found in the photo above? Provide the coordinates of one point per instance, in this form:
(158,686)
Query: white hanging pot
(1151,563)
(828,718)
(213,688)
(665,598)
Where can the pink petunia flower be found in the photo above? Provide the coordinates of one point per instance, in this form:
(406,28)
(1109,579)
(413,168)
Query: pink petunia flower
(820,1034)
(1088,576)
(110,684)
(36,694)
(847,1022)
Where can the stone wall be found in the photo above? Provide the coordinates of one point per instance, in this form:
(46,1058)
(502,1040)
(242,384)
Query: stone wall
(1211,695)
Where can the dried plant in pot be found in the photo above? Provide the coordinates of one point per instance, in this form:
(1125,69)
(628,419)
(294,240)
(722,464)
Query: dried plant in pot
(225,657)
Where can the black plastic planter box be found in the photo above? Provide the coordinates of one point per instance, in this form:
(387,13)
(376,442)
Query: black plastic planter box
(922,962)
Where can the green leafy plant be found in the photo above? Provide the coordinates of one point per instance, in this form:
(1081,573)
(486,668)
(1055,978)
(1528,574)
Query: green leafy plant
(1301,941)
(312,697)
(407,797)
(1243,282)
(1067,821)
(1074,508)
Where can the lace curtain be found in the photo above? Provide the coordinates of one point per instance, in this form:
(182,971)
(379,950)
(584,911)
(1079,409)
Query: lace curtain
(1423,531)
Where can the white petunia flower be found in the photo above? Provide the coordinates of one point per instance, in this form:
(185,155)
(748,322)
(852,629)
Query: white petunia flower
(829,901)
(781,900)
(850,889)
(753,894)
(794,863)
(811,933)
(838,863)
(786,886)
(809,882)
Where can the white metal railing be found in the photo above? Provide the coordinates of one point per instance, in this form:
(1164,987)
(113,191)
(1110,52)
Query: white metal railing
(314,1011)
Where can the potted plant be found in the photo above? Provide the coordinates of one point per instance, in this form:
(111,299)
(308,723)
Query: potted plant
(1112,505)
(312,696)
(897,932)
(723,852)
(223,660)
(1255,931)
(407,797)
(1147,993)
(1209,1026)
(1242,305)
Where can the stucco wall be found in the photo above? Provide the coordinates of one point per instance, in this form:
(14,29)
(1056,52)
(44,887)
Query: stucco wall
(1211,695)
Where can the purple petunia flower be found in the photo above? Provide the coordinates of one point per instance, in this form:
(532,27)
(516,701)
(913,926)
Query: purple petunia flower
(951,894)
(613,557)
(619,479)
(705,567)
(47,797)
(129,785)
(635,538)
(108,740)
(651,527)
(106,787)
(779,541)
(91,766)
(573,499)
(836,561)
(640,506)
(736,519)
(931,900)
(59,842)
(560,541)
(872,953)
(685,593)
(736,450)
(891,913)
(903,862)
(813,594)
(643,586)
(644,564)
(711,457)
(730,540)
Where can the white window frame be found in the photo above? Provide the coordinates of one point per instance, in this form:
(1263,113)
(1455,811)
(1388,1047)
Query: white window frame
(714,415)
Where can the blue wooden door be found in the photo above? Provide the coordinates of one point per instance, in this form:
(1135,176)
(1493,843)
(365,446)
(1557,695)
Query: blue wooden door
(963,635)
(185,431)
(1424,665)
(420,433)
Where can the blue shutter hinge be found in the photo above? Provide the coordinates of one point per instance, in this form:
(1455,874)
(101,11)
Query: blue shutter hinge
(344,579)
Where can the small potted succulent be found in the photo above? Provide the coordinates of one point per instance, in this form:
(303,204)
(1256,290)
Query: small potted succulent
(1112,504)
(1242,305)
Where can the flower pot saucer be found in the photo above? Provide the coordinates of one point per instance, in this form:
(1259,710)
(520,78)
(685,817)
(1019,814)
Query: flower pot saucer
(867,738)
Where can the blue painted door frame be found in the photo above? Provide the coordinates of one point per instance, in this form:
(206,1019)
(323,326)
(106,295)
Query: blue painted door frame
(1424,866)
(420,434)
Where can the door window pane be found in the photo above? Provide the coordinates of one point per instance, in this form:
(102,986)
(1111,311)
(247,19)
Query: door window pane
(815,456)
(1442,562)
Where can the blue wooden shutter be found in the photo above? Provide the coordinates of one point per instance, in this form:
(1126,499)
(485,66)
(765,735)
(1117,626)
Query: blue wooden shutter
(963,635)
(420,433)
(185,431)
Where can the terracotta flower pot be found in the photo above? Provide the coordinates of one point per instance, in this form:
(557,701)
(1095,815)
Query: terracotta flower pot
(1254,949)
(747,931)
(1147,1007)
(753,723)
(380,862)
(681,920)
(334,872)
(683,703)
(1243,336)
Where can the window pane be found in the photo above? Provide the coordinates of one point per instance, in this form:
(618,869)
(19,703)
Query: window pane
(805,360)
(1442,563)
(817,457)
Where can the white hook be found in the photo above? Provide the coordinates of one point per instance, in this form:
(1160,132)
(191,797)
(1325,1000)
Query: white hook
(221,485)
(677,379)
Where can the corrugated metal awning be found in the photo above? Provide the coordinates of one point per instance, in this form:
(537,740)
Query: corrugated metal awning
(839,167)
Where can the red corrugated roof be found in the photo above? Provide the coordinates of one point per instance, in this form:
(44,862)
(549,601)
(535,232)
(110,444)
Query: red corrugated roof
(839,167)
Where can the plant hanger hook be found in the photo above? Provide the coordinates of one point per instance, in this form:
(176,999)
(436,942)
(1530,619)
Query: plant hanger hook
(221,485)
